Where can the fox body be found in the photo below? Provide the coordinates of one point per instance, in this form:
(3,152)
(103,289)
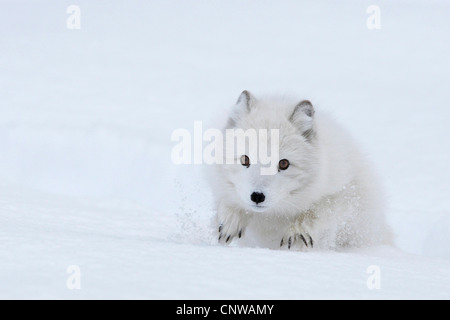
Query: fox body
(322,194)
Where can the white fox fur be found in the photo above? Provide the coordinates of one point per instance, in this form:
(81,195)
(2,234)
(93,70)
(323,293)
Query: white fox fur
(327,198)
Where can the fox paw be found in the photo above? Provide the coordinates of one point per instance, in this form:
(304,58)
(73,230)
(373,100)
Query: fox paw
(231,226)
(297,236)
(226,235)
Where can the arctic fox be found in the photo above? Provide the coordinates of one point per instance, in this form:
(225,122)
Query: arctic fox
(322,195)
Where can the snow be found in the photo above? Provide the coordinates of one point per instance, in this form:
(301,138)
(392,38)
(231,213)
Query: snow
(86,116)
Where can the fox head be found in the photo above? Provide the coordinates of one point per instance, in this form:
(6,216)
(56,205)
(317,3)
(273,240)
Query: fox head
(293,160)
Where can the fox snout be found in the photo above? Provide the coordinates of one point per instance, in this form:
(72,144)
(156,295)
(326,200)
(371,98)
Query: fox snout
(257,197)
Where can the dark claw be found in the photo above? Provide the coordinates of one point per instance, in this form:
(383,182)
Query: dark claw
(220,228)
(289,242)
(228,239)
(281,243)
(220,237)
(240,234)
(303,239)
(311,241)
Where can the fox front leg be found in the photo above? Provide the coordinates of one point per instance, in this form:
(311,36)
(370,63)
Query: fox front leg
(300,234)
(231,223)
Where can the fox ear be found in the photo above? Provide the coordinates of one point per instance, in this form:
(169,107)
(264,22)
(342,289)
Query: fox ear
(243,105)
(246,100)
(305,107)
(303,118)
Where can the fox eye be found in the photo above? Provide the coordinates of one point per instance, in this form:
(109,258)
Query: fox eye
(245,161)
(283,164)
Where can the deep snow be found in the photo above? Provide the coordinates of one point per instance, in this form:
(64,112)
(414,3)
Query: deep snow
(86,116)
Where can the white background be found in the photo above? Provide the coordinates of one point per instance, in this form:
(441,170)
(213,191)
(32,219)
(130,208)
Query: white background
(86,116)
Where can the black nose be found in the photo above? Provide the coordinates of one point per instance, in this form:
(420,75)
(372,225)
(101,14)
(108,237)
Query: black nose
(257,197)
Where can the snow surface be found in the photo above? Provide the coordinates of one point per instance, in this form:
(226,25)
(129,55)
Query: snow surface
(86,116)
